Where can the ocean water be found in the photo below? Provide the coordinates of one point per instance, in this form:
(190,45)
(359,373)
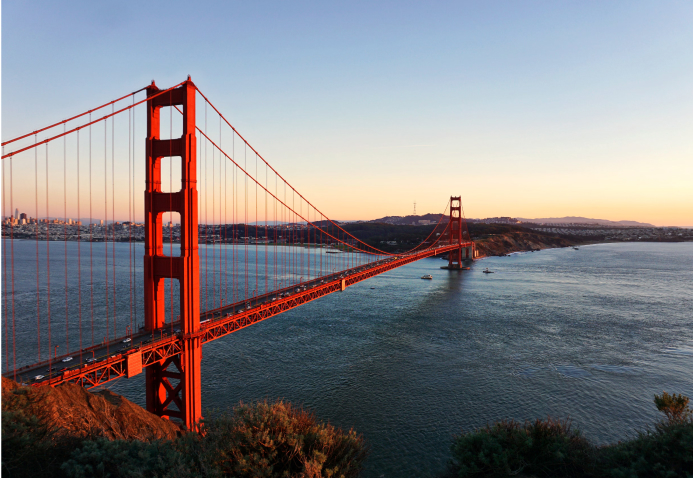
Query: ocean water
(590,334)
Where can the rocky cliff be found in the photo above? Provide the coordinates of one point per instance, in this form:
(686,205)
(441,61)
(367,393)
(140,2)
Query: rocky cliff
(501,244)
(71,410)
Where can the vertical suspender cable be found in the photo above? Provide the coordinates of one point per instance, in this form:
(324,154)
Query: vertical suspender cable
(91,241)
(200,191)
(79,255)
(130,209)
(292,254)
(48,260)
(113,221)
(257,286)
(170,206)
(276,226)
(134,216)
(14,348)
(206,239)
(266,236)
(67,329)
(222,247)
(38,305)
(245,203)
(234,214)
(214,264)
(226,223)
(104,226)
(299,241)
(4,267)
(222,232)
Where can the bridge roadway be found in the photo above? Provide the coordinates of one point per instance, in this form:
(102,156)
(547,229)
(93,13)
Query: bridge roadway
(118,358)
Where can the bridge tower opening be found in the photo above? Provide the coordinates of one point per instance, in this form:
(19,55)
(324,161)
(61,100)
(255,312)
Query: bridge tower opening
(181,398)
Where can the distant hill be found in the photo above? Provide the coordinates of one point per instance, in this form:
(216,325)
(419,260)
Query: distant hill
(583,220)
(409,220)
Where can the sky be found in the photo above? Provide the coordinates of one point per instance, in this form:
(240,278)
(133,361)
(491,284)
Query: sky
(524,108)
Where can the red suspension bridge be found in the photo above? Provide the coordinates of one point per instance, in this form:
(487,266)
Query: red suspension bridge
(236,240)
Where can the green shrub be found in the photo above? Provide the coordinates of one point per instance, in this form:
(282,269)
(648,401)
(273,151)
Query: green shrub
(675,407)
(258,440)
(665,452)
(541,448)
(550,448)
(30,448)
(131,459)
(278,440)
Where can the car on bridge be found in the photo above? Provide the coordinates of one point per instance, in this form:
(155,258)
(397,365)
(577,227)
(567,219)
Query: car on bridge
(39,377)
(67,359)
(128,339)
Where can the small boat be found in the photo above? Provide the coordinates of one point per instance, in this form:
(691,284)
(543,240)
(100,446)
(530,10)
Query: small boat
(427,276)
(331,252)
(486,271)
(576,248)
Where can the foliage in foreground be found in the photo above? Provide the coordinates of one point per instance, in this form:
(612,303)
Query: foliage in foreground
(543,447)
(257,440)
(551,448)
(276,439)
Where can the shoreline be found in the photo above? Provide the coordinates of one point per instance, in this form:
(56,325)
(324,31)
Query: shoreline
(507,243)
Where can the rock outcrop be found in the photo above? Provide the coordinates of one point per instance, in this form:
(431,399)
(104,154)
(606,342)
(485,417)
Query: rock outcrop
(501,244)
(71,410)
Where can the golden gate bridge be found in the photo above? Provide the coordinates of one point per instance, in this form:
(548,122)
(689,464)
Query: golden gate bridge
(267,249)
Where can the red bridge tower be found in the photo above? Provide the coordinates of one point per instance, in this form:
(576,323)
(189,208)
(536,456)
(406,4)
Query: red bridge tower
(455,256)
(161,392)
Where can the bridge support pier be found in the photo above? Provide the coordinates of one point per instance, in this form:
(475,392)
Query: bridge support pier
(179,399)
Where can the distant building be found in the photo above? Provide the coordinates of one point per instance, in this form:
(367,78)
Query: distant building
(501,220)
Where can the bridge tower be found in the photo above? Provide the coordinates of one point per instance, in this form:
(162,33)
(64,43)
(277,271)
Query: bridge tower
(455,256)
(161,392)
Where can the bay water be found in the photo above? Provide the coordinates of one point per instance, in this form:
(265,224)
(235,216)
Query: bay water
(590,334)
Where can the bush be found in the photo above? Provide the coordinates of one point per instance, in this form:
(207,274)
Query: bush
(550,448)
(279,440)
(103,458)
(30,448)
(675,407)
(665,452)
(543,448)
(258,440)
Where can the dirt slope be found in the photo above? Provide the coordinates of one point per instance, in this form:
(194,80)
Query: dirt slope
(74,411)
(501,244)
